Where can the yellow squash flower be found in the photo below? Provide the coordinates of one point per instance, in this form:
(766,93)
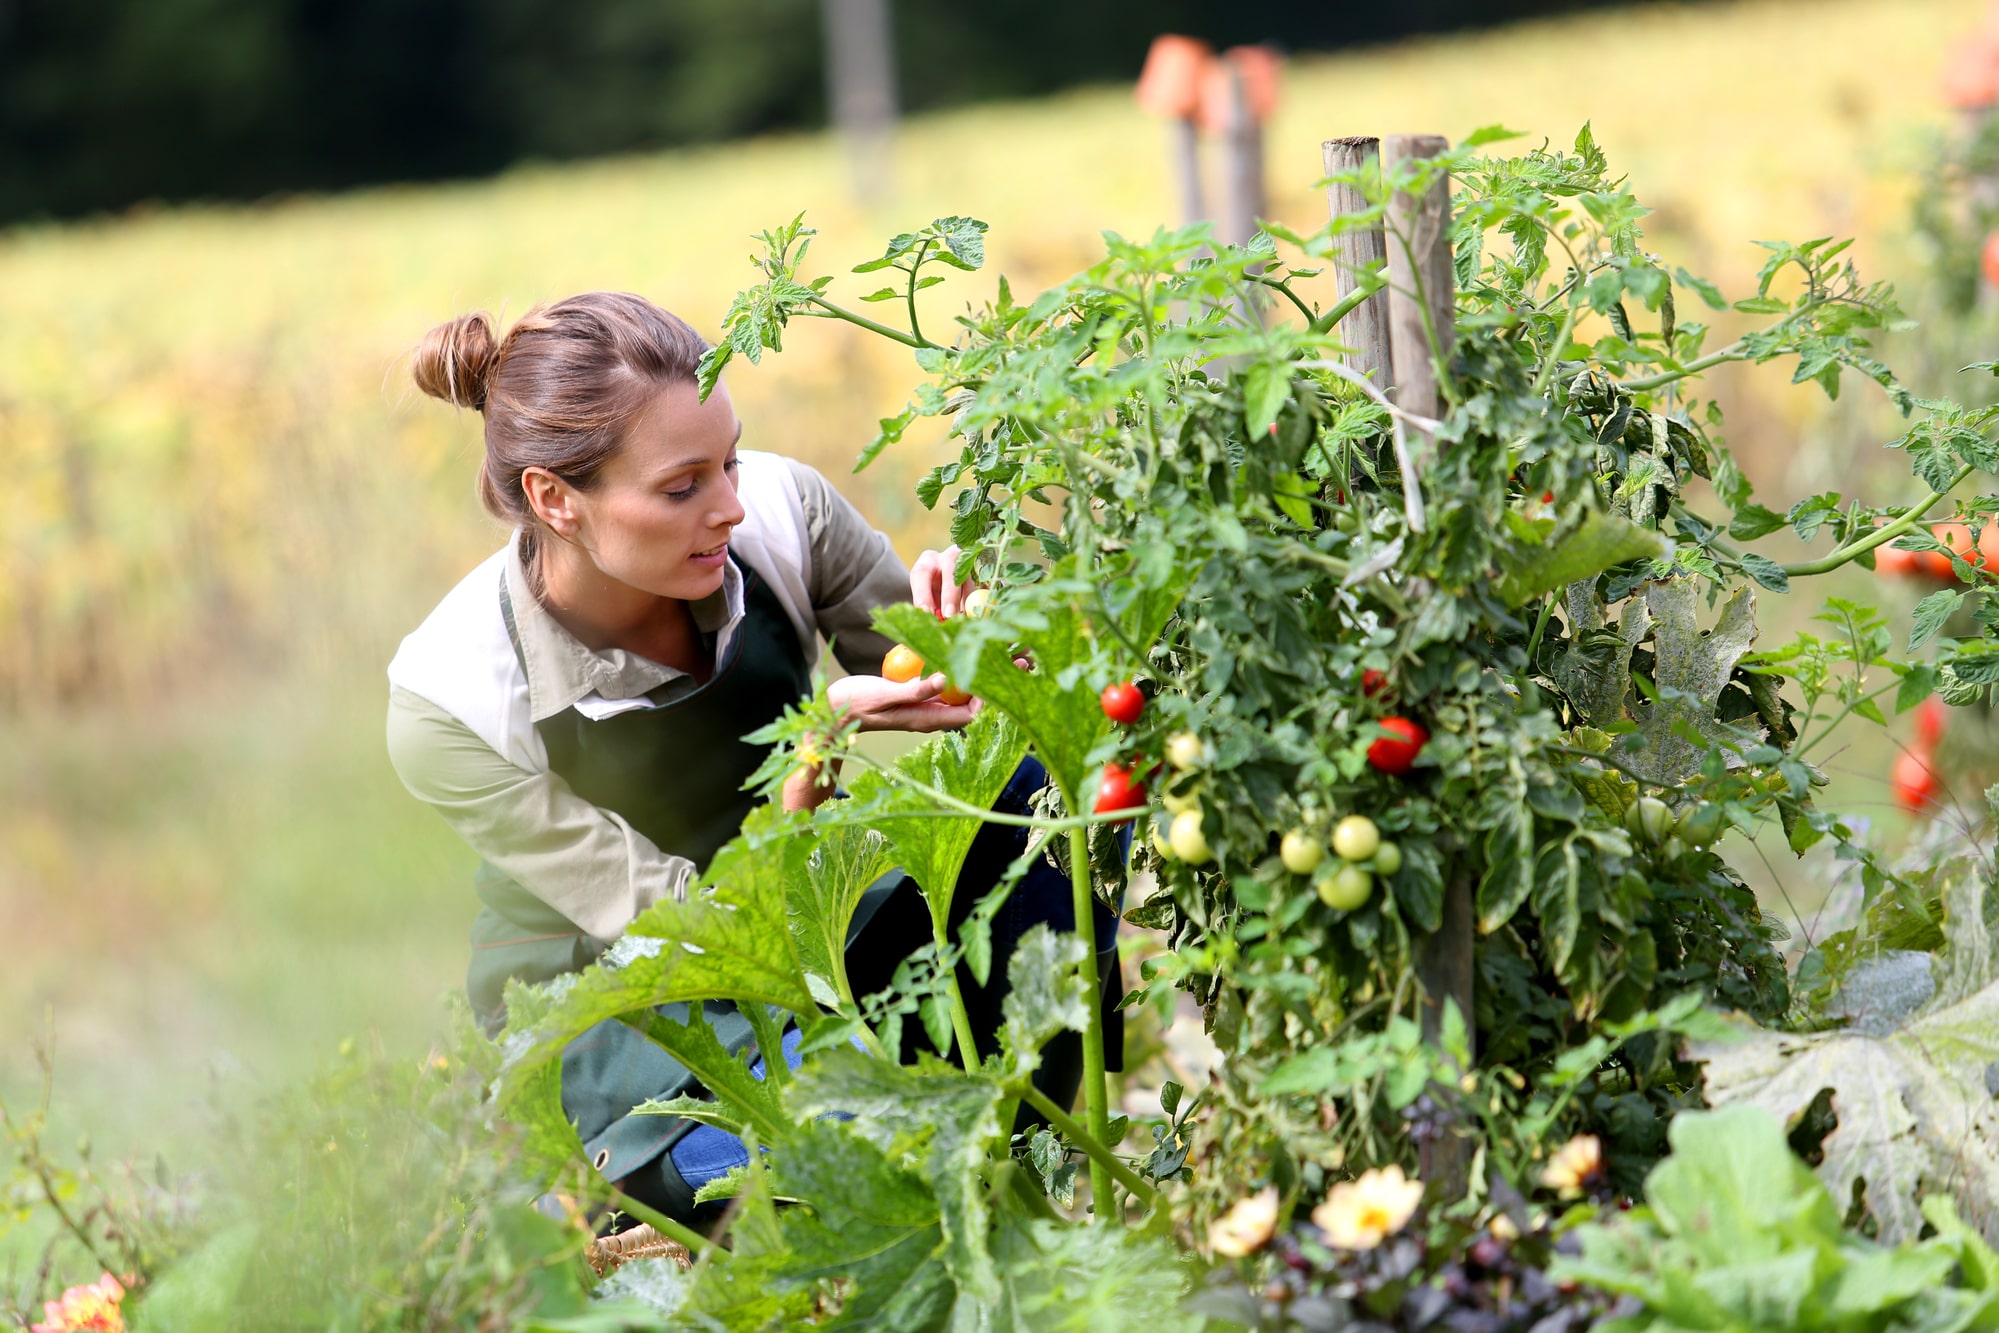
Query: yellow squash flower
(1574,1164)
(91,1308)
(1360,1214)
(1247,1227)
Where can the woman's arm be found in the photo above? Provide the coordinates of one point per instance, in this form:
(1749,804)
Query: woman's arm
(583,861)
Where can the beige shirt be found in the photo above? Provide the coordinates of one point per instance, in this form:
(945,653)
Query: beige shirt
(584,861)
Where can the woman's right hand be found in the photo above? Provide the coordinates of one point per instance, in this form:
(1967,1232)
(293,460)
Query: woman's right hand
(884,705)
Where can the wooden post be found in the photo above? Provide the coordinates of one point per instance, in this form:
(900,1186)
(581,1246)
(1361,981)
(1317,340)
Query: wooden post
(1422,296)
(1184,148)
(1366,329)
(1242,164)
(861,87)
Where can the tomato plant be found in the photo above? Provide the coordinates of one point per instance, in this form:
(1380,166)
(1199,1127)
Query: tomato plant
(1155,484)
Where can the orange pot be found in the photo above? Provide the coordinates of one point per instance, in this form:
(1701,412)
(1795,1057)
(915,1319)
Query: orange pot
(1259,68)
(1170,84)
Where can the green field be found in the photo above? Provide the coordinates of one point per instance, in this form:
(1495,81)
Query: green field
(234,508)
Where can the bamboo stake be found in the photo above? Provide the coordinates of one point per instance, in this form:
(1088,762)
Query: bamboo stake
(1422,296)
(1366,329)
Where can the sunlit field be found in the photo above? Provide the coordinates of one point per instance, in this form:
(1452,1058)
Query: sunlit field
(226,504)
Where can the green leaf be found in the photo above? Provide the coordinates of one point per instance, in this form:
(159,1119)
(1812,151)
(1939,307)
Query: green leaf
(1766,571)
(1104,1279)
(201,1291)
(1601,541)
(974,765)
(1045,995)
(1692,668)
(1509,867)
(733,943)
(1266,388)
(844,860)
(1930,615)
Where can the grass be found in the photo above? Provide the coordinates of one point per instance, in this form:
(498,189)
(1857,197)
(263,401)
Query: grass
(227,507)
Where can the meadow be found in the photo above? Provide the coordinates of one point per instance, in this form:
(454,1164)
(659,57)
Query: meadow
(227,505)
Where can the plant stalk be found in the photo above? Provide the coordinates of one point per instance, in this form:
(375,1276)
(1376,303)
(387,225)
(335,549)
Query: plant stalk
(1096,1098)
(961,1020)
(660,1222)
(1887,532)
(1101,1158)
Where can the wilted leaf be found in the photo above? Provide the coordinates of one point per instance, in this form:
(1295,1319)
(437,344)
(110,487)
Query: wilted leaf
(1691,669)
(1915,1113)
(1601,541)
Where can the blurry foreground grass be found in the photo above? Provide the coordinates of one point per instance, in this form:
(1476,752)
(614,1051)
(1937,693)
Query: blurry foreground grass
(227,507)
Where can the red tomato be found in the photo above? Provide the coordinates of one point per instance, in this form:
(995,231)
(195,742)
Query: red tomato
(1122,702)
(1396,752)
(954,696)
(1915,783)
(1373,682)
(1930,717)
(1988,260)
(1547,497)
(1119,790)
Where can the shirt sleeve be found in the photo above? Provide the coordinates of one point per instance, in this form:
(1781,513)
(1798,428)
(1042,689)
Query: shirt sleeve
(583,861)
(854,570)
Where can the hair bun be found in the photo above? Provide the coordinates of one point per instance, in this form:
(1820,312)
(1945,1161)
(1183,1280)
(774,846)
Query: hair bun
(455,361)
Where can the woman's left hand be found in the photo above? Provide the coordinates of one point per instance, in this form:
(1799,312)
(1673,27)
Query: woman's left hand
(931,586)
(884,705)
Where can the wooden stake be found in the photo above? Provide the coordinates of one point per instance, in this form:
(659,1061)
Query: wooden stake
(1184,149)
(1242,166)
(1422,297)
(1422,293)
(861,88)
(1366,329)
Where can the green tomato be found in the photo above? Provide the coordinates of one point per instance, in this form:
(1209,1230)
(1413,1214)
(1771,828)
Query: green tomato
(1355,838)
(1301,852)
(1345,889)
(1160,842)
(1649,820)
(1700,824)
(1185,751)
(1179,804)
(1674,848)
(1188,842)
(1387,859)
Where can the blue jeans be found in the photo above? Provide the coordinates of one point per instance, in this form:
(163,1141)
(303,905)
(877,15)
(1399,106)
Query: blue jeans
(902,925)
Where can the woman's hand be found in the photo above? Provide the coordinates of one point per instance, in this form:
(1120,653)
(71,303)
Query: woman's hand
(931,586)
(883,705)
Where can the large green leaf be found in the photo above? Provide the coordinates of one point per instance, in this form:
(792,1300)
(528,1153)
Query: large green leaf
(1915,1112)
(938,1114)
(845,859)
(1051,704)
(751,1101)
(1595,669)
(974,765)
(733,943)
(1691,667)
(1058,1278)
(1601,541)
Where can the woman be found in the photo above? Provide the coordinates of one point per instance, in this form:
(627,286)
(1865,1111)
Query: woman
(574,708)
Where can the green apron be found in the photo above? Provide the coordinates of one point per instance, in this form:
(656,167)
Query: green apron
(675,773)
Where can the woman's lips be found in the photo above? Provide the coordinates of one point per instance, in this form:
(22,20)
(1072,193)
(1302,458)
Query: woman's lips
(712,559)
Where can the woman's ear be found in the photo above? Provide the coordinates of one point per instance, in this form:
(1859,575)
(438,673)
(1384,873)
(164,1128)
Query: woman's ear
(552,499)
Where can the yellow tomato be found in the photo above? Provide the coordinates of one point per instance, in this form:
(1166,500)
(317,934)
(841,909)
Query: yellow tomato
(1346,888)
(902,665)
(1189,843)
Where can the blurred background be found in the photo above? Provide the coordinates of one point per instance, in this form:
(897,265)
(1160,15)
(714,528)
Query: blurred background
(223,222)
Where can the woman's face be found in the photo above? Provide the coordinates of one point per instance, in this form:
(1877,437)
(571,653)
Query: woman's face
(660,515)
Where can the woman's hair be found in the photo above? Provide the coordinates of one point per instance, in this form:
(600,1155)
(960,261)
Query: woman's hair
(560,391)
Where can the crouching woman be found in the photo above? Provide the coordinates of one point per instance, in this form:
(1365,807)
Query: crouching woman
(575,707)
